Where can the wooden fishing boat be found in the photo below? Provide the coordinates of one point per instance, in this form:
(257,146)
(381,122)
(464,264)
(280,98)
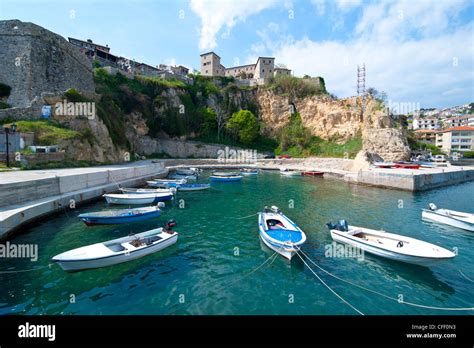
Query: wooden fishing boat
(145,190)
(453,218)
(250,171)
(164,182)
(407,165)
(225,173)
(287,172)
(383,164)
(117,250)
(279,233)
(227,178)
(389,245)
(188,171)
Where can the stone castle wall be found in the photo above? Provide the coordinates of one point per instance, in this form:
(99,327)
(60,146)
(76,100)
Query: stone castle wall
(35,60)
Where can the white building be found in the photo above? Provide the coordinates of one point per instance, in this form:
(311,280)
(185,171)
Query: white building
(430,123)
(457,139)
(457,121)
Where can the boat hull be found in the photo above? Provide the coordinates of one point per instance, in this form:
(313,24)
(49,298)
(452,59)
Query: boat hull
(287,253)
(225,179)
(193,187)
(137,200)
(446,220)
(312,173)
(79,265)
(113,220)
(426,261)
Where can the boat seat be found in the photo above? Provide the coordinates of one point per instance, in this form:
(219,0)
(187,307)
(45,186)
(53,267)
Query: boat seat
(151,240)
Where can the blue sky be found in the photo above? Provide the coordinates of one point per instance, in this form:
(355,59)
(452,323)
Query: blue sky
(417,51)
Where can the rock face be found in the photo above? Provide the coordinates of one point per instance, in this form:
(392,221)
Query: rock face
(338,120)
(34,60)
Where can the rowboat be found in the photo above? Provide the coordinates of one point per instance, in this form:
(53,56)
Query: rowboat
(287,172)
(163,182)
(248,171)
(389,245)
(279,233)
(383,164)
(218,178)
(312,173)
(188,171)
(193,187)
(407,165)
(454,218)
(137,198)
(120,216)
(144,190)
(225,173)
(117,250)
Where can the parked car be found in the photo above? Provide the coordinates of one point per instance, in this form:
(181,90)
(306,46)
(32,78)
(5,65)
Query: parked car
(439,158)
(284,157)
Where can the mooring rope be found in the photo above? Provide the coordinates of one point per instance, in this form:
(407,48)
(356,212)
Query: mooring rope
(327,286)
(245,217)
(465,276)
(274,255)
(383,295)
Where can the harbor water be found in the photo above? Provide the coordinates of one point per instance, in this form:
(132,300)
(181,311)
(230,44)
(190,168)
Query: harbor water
(219,265)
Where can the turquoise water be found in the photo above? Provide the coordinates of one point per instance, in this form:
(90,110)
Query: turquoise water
(213,268)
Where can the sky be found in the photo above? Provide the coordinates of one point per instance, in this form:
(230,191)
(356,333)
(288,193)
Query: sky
(420,52)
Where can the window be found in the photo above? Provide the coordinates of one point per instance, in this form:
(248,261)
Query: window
(455,134)
(263,70)
(206,71)
(465,147)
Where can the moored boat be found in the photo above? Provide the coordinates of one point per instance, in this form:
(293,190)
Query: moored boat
(183,176)
(121,216)
(250,171)
(188,171)
(164,182)
(312,173)
(227,178)
(137,198)
(279,233)
(453,218)
(407,165)
(145,190)
(389,245)
(193,187)
(383,164)
(225,173)
(117,250)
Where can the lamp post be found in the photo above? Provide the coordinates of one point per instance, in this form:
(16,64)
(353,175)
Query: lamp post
(7,141)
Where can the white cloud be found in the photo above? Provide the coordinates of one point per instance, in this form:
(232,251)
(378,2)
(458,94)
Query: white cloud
(346,5)
(218,15)
(410,58)
(320,6)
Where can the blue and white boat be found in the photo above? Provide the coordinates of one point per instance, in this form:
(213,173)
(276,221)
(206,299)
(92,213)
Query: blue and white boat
(137,198)
(188,171)
(228,178)
(193,187)
(186,176)
(279,233)
(121,216)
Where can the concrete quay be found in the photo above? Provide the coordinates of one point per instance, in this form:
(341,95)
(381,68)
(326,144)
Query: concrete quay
(29,195)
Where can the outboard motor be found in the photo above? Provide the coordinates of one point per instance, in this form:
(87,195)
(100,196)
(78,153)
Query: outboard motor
(275,209)
(169,226)
(343,225)
(331,226)
(432,206)
(161,205)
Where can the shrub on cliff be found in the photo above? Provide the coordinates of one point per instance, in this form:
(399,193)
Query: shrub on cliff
(245,125)
(296,87)
(4,90)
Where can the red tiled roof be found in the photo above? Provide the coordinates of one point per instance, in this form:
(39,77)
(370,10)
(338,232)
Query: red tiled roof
(460,128)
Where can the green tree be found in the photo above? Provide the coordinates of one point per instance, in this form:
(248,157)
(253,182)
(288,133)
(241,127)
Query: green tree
(209,121)
(245,125)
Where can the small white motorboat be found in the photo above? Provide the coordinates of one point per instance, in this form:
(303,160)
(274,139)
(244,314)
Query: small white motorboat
(171,190)
(392,246)
(454,218)
(279,233)
(250,171)
(117,250)
(137,198)
(185,177)
(193,187)
(188,171)
(165,182)
(287,172)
